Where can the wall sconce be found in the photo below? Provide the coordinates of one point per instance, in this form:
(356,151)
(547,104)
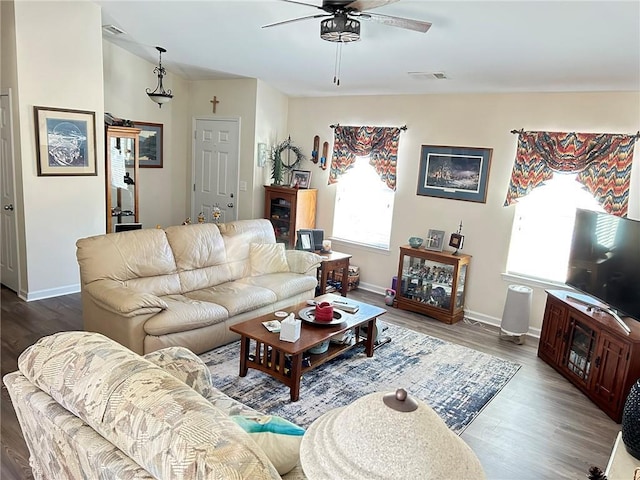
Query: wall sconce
(159,95)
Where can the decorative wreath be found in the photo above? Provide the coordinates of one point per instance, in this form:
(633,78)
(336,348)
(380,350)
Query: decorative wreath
(278,161)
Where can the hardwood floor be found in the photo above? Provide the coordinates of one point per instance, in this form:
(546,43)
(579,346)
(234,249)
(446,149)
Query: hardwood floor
(538,427)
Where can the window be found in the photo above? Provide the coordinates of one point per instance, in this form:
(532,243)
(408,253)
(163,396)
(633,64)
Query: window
(364,207)
(543,228)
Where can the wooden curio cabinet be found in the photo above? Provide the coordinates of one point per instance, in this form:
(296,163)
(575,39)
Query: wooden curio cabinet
(289,209)
(121,173)
(589,348)
(432,283)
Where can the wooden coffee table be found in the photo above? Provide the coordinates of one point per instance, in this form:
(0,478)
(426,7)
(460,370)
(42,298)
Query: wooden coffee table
(262,350)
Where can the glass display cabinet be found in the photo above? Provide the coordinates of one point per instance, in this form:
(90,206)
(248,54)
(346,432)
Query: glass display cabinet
(432,283)
(121,173)
(289,210)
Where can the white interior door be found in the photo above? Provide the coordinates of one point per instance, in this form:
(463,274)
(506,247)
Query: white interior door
(216,158)
(9,249)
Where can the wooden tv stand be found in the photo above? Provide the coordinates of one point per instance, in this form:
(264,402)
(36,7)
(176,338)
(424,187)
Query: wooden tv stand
(590,348)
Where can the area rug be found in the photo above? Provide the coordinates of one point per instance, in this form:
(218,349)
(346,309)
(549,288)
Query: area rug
(457,382)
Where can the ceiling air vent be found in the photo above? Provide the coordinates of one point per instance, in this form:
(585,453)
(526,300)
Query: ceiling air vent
(112,30)
(428,75)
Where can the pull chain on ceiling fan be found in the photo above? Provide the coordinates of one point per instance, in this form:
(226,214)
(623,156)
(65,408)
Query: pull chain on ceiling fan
(341,26)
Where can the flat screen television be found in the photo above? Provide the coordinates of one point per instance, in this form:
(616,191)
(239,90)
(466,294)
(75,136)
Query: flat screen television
(604,260)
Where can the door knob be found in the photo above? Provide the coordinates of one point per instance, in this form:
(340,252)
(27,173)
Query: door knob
(230,205)
(9,207)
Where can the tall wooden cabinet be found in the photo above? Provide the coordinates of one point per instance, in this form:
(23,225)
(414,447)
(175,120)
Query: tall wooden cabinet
(589,348)
(289,210)
(432,283)
(121,157)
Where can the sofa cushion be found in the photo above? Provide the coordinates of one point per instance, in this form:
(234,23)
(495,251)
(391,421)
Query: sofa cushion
(236,297)
(162,424)
(185,365)
(302,262)
(200,253)
(279,438)
(183,314)
(140,259)
(238,236)
(283,285)
(267,258)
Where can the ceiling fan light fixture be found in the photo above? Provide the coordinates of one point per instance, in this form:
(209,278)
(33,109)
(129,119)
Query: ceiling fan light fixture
(340,28)
(160,95)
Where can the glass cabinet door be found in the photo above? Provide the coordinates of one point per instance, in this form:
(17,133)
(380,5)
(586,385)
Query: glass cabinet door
(427,281)
(580,347)
(122,176)
(280,218)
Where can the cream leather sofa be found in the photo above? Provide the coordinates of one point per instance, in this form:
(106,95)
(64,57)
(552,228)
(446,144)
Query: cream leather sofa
(184,285)
(90,408)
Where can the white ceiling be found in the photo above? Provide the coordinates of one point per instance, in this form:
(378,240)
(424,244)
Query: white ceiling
(502,46)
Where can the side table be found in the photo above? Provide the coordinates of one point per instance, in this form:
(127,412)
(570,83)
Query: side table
(333,261)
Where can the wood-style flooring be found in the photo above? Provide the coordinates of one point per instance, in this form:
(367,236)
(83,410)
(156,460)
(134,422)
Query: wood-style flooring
(538,427)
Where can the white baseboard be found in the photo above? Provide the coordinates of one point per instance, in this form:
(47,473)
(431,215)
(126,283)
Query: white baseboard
(50,293)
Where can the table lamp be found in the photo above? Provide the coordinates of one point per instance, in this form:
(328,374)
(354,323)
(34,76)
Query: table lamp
(386,436)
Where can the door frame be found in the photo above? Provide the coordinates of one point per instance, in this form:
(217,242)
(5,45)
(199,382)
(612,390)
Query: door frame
(193,159)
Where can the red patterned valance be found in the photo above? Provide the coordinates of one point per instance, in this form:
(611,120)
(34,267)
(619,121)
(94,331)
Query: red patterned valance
(380,144)
(602,162)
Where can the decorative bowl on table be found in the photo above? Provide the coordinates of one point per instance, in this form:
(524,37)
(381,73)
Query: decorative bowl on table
(415,242)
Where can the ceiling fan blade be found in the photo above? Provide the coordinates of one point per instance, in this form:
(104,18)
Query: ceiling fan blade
(319,15)
(302,3)
(362,5)
(417,25)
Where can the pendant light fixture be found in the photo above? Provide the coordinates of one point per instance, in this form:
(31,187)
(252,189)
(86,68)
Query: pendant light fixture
(160,95)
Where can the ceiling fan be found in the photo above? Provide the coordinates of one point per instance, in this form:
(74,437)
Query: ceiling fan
(343,25)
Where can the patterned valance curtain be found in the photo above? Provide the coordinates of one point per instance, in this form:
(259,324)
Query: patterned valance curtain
(380,144)
(602,162)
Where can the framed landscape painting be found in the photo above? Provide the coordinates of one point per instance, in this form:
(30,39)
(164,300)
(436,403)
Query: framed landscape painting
(65,142)
(458,173)
(150,144)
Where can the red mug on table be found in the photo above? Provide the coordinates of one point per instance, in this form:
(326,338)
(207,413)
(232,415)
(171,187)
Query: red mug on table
(324,312)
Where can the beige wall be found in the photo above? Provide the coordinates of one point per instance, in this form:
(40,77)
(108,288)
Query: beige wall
(271,128)
(62,68)
(456,120)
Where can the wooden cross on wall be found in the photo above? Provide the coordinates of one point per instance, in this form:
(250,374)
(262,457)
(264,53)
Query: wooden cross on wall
(215,102)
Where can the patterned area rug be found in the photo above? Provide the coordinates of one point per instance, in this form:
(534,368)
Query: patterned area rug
(457,382)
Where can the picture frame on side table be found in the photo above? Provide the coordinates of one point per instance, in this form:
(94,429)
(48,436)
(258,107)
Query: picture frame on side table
(65,142)
(300,178)
(434,240)
(457,173)
(305,240)
(151,153)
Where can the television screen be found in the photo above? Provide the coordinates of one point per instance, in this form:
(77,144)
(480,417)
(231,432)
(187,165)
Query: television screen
(124,227)
(604,260)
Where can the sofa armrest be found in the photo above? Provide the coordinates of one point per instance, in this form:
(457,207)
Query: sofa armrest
(116,298)
(304,262)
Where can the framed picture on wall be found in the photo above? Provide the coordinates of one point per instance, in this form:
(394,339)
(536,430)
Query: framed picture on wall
(65,142)
(458,173)
(150,144)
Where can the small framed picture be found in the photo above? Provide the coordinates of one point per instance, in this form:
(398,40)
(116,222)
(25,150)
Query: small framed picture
(305,240)
(434,240)
(300,178)
(456,241)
